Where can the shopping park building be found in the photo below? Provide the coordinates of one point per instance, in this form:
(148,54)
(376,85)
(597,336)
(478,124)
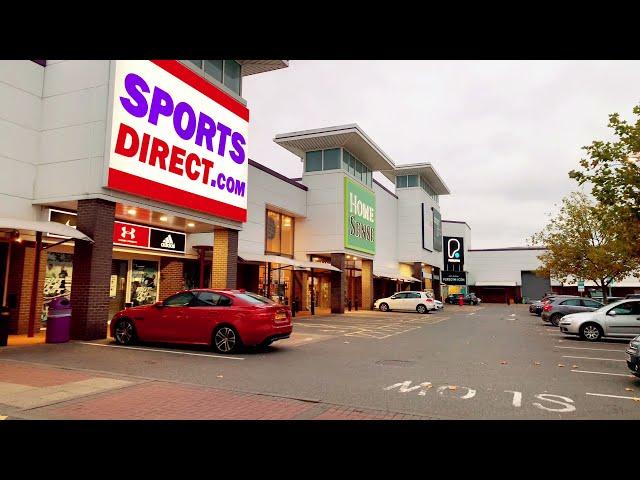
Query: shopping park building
(145,165)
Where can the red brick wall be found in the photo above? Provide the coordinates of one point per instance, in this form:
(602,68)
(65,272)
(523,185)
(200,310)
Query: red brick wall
(92,270)
(171,276)
(20,283)
(225,259)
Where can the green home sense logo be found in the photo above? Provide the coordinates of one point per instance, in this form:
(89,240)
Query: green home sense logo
(359,217)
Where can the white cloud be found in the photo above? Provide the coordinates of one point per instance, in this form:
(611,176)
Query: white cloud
(502,134)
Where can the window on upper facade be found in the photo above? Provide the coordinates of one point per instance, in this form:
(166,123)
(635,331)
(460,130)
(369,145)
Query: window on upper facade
(356,168)
(279,233)
(227,72)
(412,180)
(331,159)
(401,181)
(313,161)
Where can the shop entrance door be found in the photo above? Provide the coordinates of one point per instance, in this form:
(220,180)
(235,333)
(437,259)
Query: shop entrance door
(118,287)
(4,253)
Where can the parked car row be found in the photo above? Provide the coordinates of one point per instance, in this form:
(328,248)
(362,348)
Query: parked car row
(592,321)
(467,299)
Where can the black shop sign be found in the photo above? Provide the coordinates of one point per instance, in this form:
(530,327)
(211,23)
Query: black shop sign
(454,278)
(167,240)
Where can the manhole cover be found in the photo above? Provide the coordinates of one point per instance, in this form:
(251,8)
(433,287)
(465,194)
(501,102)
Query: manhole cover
(395,363)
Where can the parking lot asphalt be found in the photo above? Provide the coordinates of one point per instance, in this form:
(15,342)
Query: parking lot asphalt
(470,362)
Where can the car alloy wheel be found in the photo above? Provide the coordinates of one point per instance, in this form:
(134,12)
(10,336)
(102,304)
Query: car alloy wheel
(384,307)
(421,309)
(225,340)
(125,332)
(591,333)
(555,319)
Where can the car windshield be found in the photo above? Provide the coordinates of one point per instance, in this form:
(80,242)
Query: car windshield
(254,298)
(608,306)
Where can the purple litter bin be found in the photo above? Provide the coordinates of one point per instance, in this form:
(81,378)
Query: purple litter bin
(59,321)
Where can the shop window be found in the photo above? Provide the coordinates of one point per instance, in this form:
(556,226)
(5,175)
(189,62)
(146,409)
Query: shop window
(279,234)
(314,161)
(144,285)
(331,159)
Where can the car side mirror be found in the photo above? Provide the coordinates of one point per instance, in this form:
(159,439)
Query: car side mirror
(158,304)
(612,313)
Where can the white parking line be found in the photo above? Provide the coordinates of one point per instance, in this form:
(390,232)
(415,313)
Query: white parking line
(594,358)
(612,396)
(144,349)
(604,373)
(596,349)
(472,313)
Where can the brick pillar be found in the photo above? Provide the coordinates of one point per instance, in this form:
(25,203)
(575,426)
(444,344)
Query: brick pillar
(92,270)
(19,286)
(367,284)
(224,271)
(338,283)
(171,276)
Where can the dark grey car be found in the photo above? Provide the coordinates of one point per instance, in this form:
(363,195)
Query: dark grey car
(561,306)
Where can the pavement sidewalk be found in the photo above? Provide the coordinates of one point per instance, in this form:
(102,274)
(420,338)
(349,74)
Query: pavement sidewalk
(30,391)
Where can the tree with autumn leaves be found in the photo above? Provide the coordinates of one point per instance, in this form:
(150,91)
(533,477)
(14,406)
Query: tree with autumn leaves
(598,238)
(586,241)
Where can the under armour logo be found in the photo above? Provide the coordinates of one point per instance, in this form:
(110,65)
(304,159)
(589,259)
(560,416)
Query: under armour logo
(130,233)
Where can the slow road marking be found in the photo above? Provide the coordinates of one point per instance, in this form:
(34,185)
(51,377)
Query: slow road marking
(163,351)
(594,358)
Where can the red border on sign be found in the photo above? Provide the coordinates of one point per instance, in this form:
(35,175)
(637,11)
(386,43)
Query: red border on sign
(194,80)
(125,182)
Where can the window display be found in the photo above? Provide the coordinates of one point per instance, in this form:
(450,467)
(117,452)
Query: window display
(144,282)
(57,280)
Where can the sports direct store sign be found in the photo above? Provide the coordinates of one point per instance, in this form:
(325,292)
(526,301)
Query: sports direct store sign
(177,139)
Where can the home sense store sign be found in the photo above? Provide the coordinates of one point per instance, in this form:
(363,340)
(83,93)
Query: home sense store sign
(177,139)
(139,236)
(359,217)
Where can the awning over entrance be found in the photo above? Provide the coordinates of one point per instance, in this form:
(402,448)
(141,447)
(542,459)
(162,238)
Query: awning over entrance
(43,227)
(252,257)
(497,283)
(391,275)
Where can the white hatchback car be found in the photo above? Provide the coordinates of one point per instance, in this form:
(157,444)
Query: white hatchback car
(409,301)
(618,319)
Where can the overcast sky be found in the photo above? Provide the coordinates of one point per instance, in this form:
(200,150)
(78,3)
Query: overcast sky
(502,134)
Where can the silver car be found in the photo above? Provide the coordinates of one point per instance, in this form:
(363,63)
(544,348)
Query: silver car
(620,319)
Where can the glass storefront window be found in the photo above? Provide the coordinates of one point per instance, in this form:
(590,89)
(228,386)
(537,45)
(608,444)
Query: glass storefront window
(144,284)
(331,159)
(232,75)
(272,228)
(314,161)
(213,68)
(286,247)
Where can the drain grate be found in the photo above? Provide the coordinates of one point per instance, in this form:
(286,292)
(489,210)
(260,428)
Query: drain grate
(395,363)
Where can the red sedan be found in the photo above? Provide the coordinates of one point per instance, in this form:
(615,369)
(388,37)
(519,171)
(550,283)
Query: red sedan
(223,319)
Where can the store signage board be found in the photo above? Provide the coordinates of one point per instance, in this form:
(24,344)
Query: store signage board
(359,217)
(454,278)
(113,286)
(177,139)
(453,253)
(60,216)
(140,236)
(428,235)
(581,286)
(437,231)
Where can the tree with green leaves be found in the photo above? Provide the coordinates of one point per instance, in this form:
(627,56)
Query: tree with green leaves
(586,240)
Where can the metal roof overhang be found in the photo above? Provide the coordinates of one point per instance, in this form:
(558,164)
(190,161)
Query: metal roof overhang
(427,171)
(393,275)
(251,67)
(44,227)
(497,283)
(351,137)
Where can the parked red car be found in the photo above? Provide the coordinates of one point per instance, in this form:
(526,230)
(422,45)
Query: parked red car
(224,319)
